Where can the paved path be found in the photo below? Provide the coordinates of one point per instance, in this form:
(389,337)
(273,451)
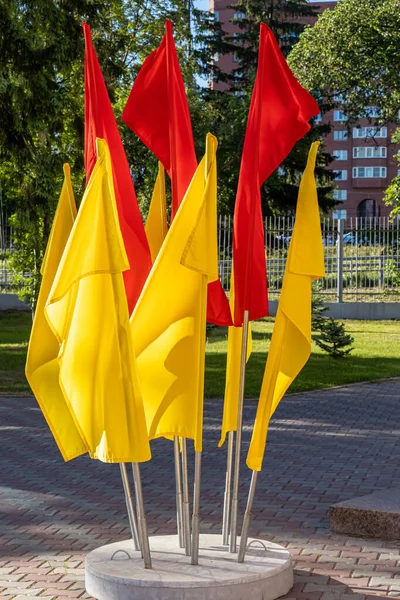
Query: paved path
(324,447)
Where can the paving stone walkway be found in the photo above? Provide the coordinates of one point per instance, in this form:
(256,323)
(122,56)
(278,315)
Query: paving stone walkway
(324,447)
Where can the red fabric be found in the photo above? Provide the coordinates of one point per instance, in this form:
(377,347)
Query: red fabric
(100,122)
(157,111)
(278,117)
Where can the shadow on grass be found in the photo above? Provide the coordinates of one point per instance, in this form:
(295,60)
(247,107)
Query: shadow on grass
(321,371)
(15,327)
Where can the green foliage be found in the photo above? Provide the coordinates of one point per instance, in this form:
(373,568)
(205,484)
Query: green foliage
(41,101)
(41,104)
(354,51)
(391,272)
(25,263)
(392,196)
(230,108)
(334,339)
(318,308)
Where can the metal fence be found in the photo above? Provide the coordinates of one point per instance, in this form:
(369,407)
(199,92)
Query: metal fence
(6,248)
(362,257)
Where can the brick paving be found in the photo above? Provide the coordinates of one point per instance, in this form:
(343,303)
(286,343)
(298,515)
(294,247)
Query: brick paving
(324,447)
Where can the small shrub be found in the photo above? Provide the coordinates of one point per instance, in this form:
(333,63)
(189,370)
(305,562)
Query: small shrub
(333,339)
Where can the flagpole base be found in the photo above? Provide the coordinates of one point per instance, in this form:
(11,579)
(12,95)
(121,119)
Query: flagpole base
(116,571)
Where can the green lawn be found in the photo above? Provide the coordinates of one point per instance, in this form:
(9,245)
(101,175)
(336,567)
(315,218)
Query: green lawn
(376,355)
(14,335)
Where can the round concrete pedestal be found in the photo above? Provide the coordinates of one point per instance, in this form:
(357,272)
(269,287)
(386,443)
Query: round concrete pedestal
(113,575)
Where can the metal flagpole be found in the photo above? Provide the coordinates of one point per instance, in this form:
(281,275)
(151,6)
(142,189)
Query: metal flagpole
(144,538)
(235,497)
(178,483)
(186,507)
(196,509)
(247,518)
(227,495)
(197,455)
(129,506)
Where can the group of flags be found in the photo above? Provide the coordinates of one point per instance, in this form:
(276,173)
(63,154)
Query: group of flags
(116,355)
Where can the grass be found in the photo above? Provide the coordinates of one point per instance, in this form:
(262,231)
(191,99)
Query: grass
(376,355)
(14,335)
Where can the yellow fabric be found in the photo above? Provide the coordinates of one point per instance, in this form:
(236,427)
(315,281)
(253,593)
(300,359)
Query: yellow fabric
(291,339)
(42,369)
(169,321)
(232,379)
(156,223)
(88,311)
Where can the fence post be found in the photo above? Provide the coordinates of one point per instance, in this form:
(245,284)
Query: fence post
(339,293)
(381,272)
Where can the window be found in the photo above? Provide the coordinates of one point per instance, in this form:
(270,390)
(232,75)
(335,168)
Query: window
(371,172)
(373,112)
(216,57)
(239,15)
(235,58)
(365,132)
(339,116)
(318,118)
(238,38)
(341,175)
(340,195)
(339,98)
(340,154)
(339,214)
(369,152)
(340,135)
(216,15)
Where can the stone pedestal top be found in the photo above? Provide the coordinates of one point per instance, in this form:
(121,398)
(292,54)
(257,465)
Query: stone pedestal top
(116,572)
(375,515)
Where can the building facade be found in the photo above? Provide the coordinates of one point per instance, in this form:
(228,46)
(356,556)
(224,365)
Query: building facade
(364,155)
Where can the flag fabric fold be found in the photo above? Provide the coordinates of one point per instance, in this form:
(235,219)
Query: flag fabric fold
(170,348)
(42,367)
(100,123)
(156,224)
(291,339)
(278,117)
(88,312)
(157,111)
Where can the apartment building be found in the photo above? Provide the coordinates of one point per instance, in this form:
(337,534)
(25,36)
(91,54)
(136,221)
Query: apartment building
(364,155)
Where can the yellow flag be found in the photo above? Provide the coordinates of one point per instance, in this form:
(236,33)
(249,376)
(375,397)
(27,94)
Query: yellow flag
(156,223)
(169,321)
(231,399)
(291,339)
(87,309)
(42,368)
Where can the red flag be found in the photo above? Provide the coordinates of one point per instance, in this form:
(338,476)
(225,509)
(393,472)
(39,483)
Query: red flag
(100,123)
(157,111)
(278,117)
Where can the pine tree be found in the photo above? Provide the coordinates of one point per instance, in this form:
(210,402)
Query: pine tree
(318,308)
(334,339)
